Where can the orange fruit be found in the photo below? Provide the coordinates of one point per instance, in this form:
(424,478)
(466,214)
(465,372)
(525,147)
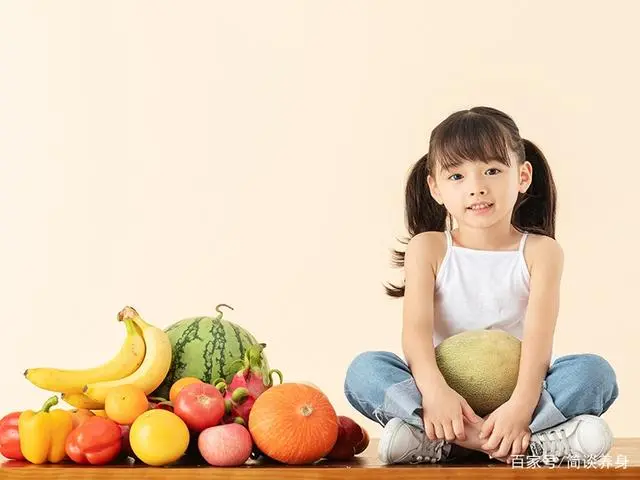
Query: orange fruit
(179,385)
(125,403)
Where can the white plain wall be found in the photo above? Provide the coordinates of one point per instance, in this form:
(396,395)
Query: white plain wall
(176,156)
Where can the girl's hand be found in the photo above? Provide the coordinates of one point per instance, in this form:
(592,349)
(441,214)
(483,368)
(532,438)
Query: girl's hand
(445,412)
(507,430)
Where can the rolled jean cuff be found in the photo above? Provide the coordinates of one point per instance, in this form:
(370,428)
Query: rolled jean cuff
(546,414)
(403,400)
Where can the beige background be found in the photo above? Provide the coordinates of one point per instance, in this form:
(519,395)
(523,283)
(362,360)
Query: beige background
(174,156)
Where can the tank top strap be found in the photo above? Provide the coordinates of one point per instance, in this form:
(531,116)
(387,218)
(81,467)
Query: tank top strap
(522,241)
(447,233)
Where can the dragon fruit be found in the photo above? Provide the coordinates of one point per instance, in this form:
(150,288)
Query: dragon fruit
(246,386)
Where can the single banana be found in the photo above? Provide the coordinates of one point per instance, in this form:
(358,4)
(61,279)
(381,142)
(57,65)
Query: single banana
(155,365)
(80,400)
(125,362)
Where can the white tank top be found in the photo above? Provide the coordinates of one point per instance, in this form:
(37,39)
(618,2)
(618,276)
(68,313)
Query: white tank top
(480,289)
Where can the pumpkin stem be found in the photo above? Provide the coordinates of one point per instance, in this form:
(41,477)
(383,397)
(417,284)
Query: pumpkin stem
(306,410)
(218,309)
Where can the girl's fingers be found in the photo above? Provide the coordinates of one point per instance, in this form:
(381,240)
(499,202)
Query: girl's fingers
(504,448)
(448,432)
(525,442)
(429,430)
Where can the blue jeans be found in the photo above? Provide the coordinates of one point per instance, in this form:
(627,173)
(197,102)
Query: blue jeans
(380,386)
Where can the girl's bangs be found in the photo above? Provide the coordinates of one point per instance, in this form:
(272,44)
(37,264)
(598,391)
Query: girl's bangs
(470,138)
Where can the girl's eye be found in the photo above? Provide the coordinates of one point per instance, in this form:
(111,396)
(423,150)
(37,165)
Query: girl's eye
(455,175)
(493,170)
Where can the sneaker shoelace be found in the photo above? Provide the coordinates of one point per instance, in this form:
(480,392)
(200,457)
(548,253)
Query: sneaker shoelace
(430,451)
(552,444)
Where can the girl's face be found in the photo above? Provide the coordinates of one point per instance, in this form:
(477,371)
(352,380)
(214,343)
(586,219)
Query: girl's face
(480,194)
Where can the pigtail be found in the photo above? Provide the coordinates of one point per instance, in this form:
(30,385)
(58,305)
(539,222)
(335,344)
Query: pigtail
(535,210)
(423,214)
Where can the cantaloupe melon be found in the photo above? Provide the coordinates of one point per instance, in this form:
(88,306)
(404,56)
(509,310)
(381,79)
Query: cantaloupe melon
(481,365)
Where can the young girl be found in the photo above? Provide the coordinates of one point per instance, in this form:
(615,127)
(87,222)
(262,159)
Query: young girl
(480,207)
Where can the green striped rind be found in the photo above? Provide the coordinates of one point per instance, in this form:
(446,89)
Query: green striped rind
(204,347)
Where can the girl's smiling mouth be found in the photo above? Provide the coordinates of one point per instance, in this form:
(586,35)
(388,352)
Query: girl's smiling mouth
(480,207)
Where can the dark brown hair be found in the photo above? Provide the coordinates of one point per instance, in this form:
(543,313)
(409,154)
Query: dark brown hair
(478,134)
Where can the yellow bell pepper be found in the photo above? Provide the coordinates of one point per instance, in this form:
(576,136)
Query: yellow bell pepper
(43,433)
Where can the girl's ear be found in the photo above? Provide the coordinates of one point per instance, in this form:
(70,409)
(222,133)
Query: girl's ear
(433,188)
(526,174)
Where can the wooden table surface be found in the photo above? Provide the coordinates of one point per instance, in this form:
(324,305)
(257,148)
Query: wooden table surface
(624,463)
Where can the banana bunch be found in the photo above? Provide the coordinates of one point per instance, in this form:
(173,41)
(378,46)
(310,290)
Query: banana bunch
(143,360)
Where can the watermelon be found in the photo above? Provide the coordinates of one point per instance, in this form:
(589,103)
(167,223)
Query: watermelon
(208,348)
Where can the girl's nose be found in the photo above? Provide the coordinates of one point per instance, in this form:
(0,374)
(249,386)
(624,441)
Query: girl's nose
(479,192)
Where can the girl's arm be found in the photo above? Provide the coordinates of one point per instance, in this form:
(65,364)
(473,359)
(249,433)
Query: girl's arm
(418,313)
(547,261)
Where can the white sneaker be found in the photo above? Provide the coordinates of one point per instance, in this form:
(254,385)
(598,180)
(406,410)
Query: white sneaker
(580,438)
(403,443)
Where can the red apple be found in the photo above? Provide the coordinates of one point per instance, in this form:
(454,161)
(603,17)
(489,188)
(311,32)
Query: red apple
(352,440)
(364,442)
(226,445)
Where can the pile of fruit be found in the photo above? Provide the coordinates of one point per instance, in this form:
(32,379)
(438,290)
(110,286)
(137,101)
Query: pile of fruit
(202,388)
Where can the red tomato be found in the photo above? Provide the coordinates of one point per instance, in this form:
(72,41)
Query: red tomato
(199,405)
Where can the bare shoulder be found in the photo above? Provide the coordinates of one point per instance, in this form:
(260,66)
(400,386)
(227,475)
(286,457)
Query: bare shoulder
(426,248)
(542,251)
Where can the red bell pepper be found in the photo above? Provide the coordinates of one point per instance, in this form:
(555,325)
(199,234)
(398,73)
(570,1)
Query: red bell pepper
(9,437)
(96,441)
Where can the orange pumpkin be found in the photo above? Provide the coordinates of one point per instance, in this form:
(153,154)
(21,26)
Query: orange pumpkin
(293,423)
